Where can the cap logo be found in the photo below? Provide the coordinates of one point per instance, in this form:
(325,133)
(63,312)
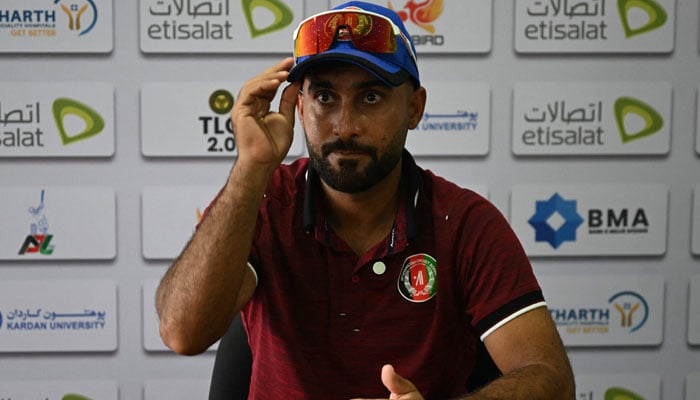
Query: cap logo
(418,278)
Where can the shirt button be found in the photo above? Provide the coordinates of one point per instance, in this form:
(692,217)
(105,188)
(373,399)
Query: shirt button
(355,279)
(379,268)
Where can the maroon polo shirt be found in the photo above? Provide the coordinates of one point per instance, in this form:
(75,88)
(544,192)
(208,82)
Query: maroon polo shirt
(323,321)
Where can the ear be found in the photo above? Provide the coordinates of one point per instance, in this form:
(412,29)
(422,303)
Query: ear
(418,98)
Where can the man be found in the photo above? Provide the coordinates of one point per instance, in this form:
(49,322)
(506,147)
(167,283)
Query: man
(357,274)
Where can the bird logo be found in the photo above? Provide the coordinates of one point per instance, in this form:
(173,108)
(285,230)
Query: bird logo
(421,14)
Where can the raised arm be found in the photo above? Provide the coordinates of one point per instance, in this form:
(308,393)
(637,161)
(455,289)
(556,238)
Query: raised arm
(209,282)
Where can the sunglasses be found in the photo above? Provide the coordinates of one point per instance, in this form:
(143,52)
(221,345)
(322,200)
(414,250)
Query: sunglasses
(368,31)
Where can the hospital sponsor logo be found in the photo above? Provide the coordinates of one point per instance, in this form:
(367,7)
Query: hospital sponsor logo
(39,239)
(590,219)
(208,24)
(627,311)
(78,17)
(418,278)
(608,309)
(580,118)
(595,25)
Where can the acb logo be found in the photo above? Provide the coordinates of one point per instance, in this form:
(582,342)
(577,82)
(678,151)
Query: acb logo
(37,244)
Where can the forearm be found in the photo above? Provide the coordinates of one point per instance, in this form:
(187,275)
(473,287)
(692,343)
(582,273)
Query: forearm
(532,382)
(199,295)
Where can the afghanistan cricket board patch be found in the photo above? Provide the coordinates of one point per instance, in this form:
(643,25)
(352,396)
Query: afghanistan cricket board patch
(418,278)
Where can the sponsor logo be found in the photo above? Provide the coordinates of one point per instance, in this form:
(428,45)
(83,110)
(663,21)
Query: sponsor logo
(418,278)
(218,128)
(80,18)
(628,311)
(459,121)
(555,220)
(612,393)
(626,106)
(39,239)
(283,16)
(423,15)
(38,319)
(655,14)
(64,107)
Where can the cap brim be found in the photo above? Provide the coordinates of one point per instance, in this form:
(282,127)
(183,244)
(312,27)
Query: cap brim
(389,73)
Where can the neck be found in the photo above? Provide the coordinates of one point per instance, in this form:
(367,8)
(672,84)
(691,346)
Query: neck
(364,219)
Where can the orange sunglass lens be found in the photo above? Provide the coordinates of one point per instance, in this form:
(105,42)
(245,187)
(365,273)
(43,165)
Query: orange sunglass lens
(368,33)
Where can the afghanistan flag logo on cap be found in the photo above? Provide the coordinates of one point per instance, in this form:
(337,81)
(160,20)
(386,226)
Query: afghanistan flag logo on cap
(418,278)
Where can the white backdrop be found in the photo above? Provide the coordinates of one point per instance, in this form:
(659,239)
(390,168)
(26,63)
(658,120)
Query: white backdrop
(496,171)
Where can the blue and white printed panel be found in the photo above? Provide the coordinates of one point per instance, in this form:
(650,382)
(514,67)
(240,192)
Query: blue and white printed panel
(58,223)
(151,332)
(694,311)
(48,316)
(56,119)
(591,118)
(169,216)
(456,120)
(218,26)
(176,389)
(692,386)
(591,219)
(594,26)
(56,26)
(444,26)
(64,390)
(618,386)
(609,310)
(193,119)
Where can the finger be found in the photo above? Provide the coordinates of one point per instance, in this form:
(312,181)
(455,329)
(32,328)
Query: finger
(288,101)
(396,384)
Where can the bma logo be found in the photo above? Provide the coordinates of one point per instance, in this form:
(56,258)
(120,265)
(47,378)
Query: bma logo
(633,309)
(655,16)
(422,15)
(282,15)
(555,221)
(39,239)
(627,108)
(77,12)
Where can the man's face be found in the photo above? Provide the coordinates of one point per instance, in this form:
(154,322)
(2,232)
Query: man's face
(355,125)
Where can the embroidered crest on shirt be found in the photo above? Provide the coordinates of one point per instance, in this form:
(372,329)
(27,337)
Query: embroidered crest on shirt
(418,278)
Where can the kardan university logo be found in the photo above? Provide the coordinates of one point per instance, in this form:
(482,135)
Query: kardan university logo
(555,220)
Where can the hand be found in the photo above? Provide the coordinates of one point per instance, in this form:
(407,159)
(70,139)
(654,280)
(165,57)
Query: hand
(263,136)
(399,387)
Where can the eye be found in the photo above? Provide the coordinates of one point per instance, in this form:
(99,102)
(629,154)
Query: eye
(373,97)
(324,97)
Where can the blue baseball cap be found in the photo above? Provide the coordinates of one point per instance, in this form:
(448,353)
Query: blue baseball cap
(392,68)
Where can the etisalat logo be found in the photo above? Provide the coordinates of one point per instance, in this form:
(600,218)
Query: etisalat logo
(631,309)
(611,393)
(68,396)
(39,240)
(423,15)
(218,128)
(580,122)
(171,29)
(556,221)
(66,112)
(636,17)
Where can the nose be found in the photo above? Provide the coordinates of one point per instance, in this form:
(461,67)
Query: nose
(347,122)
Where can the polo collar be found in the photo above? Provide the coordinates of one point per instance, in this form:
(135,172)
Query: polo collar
(410,173)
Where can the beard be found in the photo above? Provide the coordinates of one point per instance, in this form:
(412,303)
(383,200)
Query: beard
(348,177)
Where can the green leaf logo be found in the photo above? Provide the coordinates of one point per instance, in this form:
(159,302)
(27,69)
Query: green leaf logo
(653,122)
(656,14)
(618,393)
(282,15)
(62,107)
(73,396)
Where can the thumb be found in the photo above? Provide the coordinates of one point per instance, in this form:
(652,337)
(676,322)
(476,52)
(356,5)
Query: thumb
(397,385)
